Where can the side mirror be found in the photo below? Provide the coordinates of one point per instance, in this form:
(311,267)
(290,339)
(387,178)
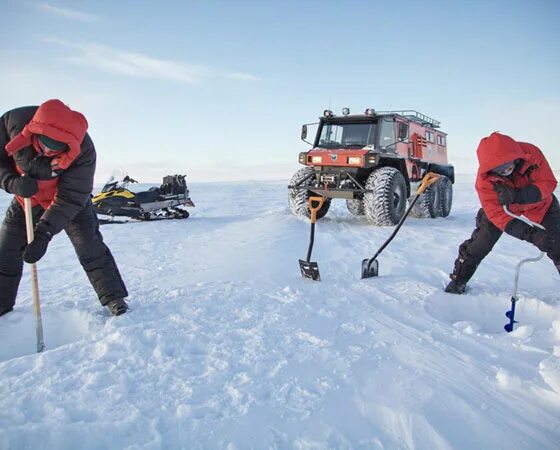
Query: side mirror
(403,131)
(303,132)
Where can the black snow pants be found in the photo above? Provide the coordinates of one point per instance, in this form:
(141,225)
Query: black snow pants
(83,231)
(485,236)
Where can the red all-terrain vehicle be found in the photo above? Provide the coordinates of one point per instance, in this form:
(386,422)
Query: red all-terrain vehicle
(373,160)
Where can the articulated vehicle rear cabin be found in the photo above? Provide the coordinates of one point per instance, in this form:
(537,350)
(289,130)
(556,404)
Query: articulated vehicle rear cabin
(374,161)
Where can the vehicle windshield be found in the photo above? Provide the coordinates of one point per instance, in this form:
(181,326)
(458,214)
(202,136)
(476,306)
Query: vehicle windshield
(340,135)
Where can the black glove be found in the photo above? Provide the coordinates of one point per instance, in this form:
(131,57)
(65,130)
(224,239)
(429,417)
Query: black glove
(37,248)
(506,194)
(40,168)
(522,196)
(543,240)
(24,186)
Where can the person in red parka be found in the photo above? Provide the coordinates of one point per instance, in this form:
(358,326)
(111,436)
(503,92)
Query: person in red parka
(46,155)
(515,174)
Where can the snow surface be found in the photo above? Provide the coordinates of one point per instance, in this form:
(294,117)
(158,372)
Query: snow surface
(226,346)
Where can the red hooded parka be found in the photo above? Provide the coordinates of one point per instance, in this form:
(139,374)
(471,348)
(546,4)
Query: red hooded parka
(498,149)
(57,121)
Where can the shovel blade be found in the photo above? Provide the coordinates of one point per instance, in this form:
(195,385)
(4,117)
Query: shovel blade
(370,268)
(309,270)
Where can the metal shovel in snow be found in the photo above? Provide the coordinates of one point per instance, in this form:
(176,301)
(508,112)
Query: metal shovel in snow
(308,268)
(370,266)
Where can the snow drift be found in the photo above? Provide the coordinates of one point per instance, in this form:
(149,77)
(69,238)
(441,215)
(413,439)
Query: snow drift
(226,346)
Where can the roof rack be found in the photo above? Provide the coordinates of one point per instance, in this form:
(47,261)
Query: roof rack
(414,116)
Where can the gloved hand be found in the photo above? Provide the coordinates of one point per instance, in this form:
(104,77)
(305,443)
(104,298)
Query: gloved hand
(40,168)
(543,240)
(37,248)
(506,194)
(24,186)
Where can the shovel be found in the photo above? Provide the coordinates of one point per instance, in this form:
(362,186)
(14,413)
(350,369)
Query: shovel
(34,278)
(370,266)
(511,313)
(308,268)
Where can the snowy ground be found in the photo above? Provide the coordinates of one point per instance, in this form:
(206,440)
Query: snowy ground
(226,346)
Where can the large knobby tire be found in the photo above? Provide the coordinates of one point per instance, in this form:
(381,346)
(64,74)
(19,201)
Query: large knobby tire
(445,196)
(387,203)
(355,206)
(298,199)
(428,204)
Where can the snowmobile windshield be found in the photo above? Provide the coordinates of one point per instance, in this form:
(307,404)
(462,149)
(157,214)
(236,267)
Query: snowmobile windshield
(347,135)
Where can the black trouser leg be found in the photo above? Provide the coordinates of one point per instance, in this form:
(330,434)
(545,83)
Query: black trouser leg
(13,238)
(551,222)
(475,249)
(94,256)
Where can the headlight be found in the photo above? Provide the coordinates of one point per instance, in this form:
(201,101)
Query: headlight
(316,159)
(345,111)
(327,113)
(355,160)
(370,112)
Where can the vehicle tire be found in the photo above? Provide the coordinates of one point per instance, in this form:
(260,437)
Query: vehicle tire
(355,206)
(387,203)
(445,195)
(428,205)
(298,199)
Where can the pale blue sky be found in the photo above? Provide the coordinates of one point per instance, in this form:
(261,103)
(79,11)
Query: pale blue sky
(219,89)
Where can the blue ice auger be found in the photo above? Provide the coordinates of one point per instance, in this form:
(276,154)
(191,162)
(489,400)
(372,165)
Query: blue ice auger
(511,313)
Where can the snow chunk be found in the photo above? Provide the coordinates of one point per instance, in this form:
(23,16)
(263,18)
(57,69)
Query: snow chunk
(507,380)
(549,369)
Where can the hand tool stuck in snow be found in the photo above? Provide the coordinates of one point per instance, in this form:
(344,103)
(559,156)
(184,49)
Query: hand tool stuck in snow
(34,278)
(308,268)
(511,313)
(370,266)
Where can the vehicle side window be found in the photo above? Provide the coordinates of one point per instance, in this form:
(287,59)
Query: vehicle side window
(441,140)
(387,136)
(430,136)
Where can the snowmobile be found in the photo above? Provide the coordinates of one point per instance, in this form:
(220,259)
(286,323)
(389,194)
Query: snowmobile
(167,201)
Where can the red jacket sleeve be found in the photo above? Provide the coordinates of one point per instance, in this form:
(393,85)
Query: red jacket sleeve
(542,177)
(489,202)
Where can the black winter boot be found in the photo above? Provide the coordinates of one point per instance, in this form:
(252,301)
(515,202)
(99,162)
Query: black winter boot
(117,306)
(5,311)
(456,287)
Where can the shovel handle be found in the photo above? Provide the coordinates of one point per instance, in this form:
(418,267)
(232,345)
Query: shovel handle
(429,179)
(34,277)
(320,201)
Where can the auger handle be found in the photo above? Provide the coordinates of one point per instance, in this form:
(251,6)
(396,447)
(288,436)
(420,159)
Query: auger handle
(523,219)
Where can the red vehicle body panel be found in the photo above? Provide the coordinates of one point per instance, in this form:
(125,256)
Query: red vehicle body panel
(335,157)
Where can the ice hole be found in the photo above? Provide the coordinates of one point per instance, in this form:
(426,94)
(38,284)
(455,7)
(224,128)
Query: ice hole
(18,336)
